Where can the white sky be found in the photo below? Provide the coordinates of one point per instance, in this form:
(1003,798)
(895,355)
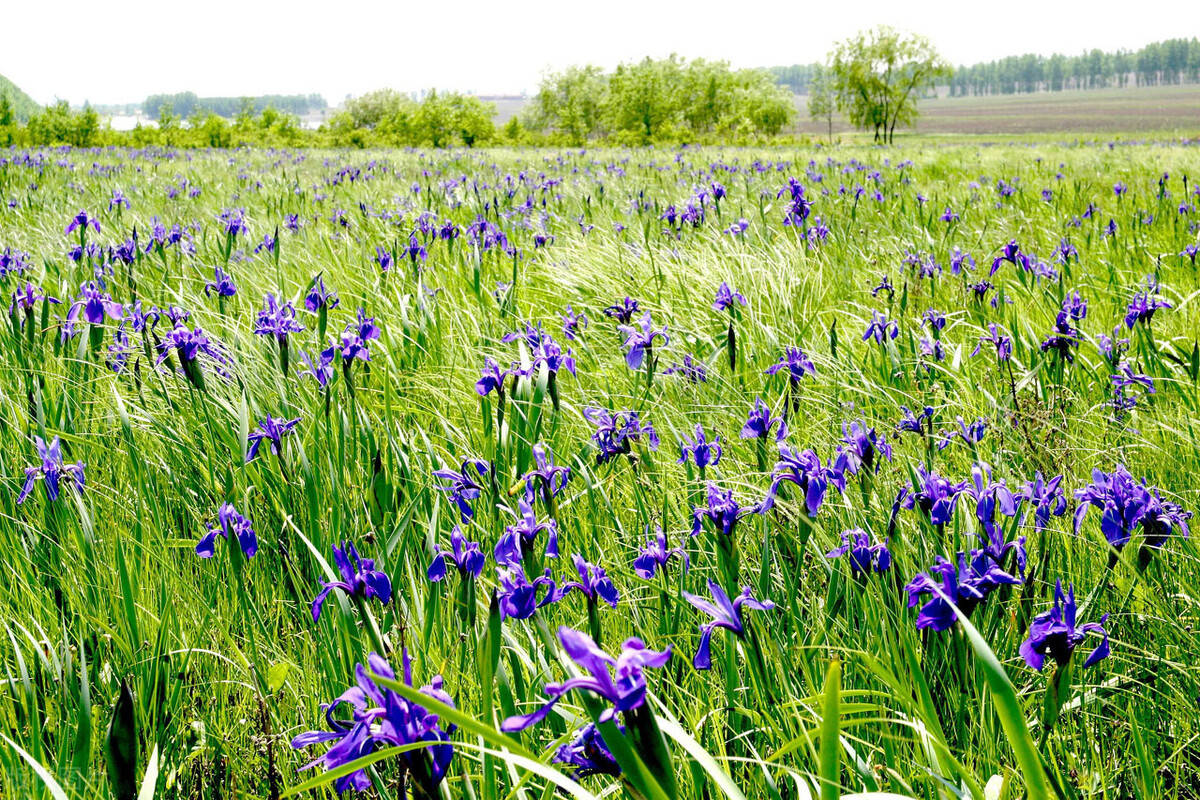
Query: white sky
(121,51)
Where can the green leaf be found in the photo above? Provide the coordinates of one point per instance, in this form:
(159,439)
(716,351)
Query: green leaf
(1008,707)
(122,746)
(56,791)
(830,751)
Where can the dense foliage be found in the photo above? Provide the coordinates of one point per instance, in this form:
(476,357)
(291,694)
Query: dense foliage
(667,100)
(704,472)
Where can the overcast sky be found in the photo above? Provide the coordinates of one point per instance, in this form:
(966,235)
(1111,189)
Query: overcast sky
(122,51)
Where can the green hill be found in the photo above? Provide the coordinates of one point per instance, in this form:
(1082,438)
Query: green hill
(22,103)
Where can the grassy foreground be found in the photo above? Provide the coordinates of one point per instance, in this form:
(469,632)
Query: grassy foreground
(132,665)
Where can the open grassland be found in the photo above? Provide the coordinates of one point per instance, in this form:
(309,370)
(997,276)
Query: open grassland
(1130,111)
(264,413)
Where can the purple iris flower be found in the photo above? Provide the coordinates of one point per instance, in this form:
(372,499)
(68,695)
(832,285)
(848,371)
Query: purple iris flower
(547,477)
(795,362)
(617,431)
(221,285)
(1126,505)
(880,328)
(573,323)
(960,259)
(934,318)
(189,345)
(517,597)
(1191,252)
(320,370)
(654,555)
(726,298)
(492,379)
(689,369)
(383,258)
(623,312)
(462,485)
(359,579)
(543,350)
(52,470)
(920,424)
(804,470)
(1054,633)
(1065,251)
(934,495)
(949,215)
(593,583)
(992,496)
(26,297)
(759,423)
(864,556)
(1142,307)
(81,222)
(970,434)
(700,450)
(884,285)
(1046,497)
(93,303)
(720,509)
(1012,255)
(269,430)
(277,320)
(319,297)
(518,540)
(233,221)
(380,718)
(965,586)
(725,614)
(465,555)
(640,340)
(231,525)
(1002,343)
(1065,338)
(588,753)
(620,681)
(862,445)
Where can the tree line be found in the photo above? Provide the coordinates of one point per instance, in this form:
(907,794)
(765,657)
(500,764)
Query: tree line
(188,104)
(1169,62)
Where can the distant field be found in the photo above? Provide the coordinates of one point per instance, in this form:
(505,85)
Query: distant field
(1155,108)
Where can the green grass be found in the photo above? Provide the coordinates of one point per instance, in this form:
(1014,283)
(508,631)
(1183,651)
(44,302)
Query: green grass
(130,665)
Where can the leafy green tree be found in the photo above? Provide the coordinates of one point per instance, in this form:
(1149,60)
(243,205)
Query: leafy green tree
(569,103)
(641,103)
(878,75)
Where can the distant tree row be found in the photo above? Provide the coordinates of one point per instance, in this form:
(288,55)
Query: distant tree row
(187,104)
(665,100)
(1169,62)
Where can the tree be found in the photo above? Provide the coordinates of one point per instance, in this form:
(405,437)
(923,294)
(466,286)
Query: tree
(821,99)
(878,76)
(569,103)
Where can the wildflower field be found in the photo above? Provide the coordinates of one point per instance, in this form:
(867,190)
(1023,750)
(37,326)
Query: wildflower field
(697,473)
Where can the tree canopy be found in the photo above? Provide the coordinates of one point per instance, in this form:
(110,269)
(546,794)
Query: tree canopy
(657,100)
(878,75)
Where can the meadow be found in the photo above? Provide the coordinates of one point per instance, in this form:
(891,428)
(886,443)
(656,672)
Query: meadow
(824,472)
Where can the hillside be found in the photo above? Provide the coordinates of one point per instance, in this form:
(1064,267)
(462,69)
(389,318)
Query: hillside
(22,103)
